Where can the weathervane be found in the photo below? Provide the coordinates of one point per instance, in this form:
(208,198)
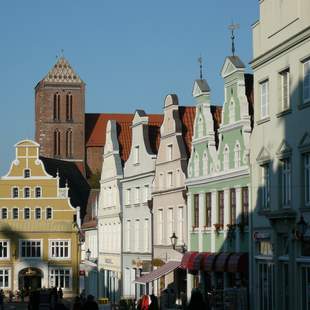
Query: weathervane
(200,66)
(233,27)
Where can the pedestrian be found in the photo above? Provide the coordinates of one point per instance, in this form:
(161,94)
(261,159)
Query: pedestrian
(1,299)
(83,296)
(154,302)
(196,301)
(60,293)
(90,303)
(77,303)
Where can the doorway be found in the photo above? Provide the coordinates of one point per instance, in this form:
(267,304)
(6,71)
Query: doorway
(30,279)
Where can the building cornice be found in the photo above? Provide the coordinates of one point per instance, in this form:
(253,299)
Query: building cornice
(236,125)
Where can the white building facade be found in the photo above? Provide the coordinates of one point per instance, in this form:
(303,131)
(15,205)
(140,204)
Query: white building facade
(280,154)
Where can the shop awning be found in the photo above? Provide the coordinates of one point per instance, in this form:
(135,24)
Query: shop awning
(188,260)
(158,273)
(221,262)
(198,261)
(209,261)
(238,262)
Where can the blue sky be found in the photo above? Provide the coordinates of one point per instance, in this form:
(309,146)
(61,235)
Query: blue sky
(131,54)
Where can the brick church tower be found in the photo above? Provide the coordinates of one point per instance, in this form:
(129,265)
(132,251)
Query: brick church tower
(60,114)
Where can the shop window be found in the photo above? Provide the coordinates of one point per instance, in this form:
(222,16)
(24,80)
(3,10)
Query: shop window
(60,277)
(266,285)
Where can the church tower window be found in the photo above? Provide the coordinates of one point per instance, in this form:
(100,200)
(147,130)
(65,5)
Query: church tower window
(231,112)
(69,143)
(56,108)
(56,143)
(69,100)
(237,155)
(226,158)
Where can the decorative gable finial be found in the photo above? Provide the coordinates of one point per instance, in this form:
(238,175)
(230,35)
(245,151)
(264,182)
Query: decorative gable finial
(232,27)
(200,61)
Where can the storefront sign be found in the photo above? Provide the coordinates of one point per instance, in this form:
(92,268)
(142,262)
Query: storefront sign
(257,235)
(82,273)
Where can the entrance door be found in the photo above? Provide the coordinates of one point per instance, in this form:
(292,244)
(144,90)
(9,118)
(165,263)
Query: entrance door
(30,278)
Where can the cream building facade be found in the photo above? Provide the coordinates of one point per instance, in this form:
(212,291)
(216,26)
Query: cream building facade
(280,156)
(38,232)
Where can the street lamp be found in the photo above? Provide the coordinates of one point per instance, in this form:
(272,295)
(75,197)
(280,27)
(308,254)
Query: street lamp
(88,252)
(301,228)
(173,240)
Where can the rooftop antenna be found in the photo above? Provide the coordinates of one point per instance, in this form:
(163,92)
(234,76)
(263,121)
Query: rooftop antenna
(232,27)
(200,66)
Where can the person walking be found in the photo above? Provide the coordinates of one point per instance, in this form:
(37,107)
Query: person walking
(90,303)
(197,301)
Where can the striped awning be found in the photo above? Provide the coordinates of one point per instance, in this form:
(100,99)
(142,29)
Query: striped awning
(221,262)
(238,262)
(209,261)
(198,261)
(158,273)
(188,260)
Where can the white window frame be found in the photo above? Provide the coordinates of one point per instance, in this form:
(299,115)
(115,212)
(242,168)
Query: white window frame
(35,191)
(180,225)
(146,235)
(306,162)
(137,195)
(15,208)
(127,235)
(137,235)
(160,233)
(13,188)
(52,272)
(24,217)
(30,240)
(27,170)
(7,214)
(8,248)
(306,81)
(51,245)
(264,98)
(146,193)
(286,180)
(7,270)
(52,213)
(265,184)
(25,188)
(285,93)
(35,213)
(170,224)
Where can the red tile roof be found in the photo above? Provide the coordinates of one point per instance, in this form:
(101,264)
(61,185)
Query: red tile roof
(187,116)
(95,128)
(155,121)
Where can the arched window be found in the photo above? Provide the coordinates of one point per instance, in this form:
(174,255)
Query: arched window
(205,163)
(26,192)
(56,107)
(237,155)
(196,165)
(231,112)
(56,143)
(226,158)
(69,152)
(69,99)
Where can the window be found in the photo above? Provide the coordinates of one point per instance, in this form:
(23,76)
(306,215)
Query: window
(4,277)
(127,235)
(245,205)
(69,107)
(137,235)
(137,195)
(26,192)
(264,248)
(306,160)
(208,209)
(285,89)
(69,152)
(226,158)
(15,192)
(56,142)
(146,235)
(37,213)
(160,226)
(306,84)
(4,213)
(205,164)
(136,154)
(286,182)
(27,173)
(305,284)
(170,228)
(265,186)
(26,213)
(264,99)
(237,155)
(196,165)
(30,248)
(169,179)
(231,112)
(4,249)
(200,127)
(15,213)
(59,248)
(146,193)
(56,107)
(60,277)
(169,152)
(196,211)
(38,192)
(266,285)
(233,206)
(49,213)
(128,193)
(180,225)
(221,208)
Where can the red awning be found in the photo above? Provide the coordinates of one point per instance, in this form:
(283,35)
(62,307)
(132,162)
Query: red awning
(238,262)
(198,261)
(221,262)
(208,262)
(188,260)
(158,273)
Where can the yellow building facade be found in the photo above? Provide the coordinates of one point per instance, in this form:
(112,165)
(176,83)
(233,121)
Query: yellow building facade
(39,244)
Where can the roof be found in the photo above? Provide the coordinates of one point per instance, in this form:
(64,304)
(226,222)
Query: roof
(71,174)
(95,128)
(203,85)
(155,121)
(187,116)
(236,61)
(90,219)
(62,72)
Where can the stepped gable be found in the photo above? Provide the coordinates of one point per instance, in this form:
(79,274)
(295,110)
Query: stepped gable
(187,116)
(69,173)
(62,72)
(155,121)
(95,128)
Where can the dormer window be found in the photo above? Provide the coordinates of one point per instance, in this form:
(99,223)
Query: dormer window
(27,173)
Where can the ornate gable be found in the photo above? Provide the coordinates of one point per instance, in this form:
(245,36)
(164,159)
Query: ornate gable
(263,156)
(231,65)
(200,88)
(284,149)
